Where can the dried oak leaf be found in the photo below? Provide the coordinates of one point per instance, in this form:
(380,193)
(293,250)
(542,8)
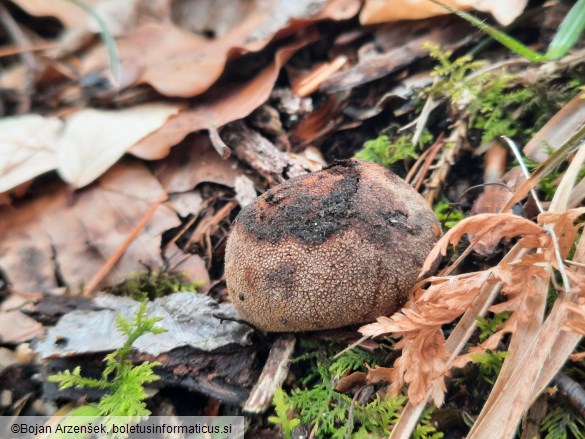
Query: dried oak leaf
(75,236)
(178,63)
(196,162)
(218,106)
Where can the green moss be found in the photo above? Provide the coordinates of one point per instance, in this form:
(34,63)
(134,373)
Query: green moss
(490,326)
(388,149)
(316,404)
(453,76)
(447,213)
(153,284)
(497,103)
(495,111)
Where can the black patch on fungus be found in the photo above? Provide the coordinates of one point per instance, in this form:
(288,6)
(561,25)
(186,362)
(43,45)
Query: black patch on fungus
(313,207)
(312,214)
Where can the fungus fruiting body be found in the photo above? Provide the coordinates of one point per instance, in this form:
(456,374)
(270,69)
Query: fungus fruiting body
(337,247)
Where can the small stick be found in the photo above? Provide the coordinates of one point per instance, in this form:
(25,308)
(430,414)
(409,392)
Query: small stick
(272,376)
(9,51)
(427,164)
(111,263)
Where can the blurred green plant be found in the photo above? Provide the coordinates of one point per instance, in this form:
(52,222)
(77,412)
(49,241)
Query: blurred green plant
(567,34)
(107,38)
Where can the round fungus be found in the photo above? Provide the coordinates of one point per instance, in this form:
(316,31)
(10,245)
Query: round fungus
(337,247)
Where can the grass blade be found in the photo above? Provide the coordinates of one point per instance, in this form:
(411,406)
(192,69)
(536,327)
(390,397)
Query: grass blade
(107,37)
(568,33)
(511,43)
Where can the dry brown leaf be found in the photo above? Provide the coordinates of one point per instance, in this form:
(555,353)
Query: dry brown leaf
(93,140)
(80,27)
(524,280)
(119,17)
(83,232)
(178,63)
(16,327)
(537,350)
(218,107)
(82,148)
(194,163)
(557,130)
(27,148)
(424,359)
(576,318)
(218,17)
(379,11)
(174,62)
(565,229)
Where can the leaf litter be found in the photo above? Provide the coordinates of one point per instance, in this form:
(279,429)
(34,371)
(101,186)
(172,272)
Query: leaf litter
(233,72)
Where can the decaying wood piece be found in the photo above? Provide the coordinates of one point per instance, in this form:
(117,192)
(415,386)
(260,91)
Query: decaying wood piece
(260,154)
(273,375)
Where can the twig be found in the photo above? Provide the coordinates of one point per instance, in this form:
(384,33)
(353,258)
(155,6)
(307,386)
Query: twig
(272,376)
(9,51)
(420,177)
(111,263)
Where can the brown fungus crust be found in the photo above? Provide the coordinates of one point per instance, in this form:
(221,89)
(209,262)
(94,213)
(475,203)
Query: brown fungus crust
(337,247)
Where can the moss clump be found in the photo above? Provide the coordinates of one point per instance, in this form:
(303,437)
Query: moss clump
(447,213)
(154,284)
(388,148)
(331,414)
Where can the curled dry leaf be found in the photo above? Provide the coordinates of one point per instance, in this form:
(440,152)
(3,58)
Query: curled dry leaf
(563,223)
(179,63)
(379,11)
(219,106)
(557,130)
(424,359)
